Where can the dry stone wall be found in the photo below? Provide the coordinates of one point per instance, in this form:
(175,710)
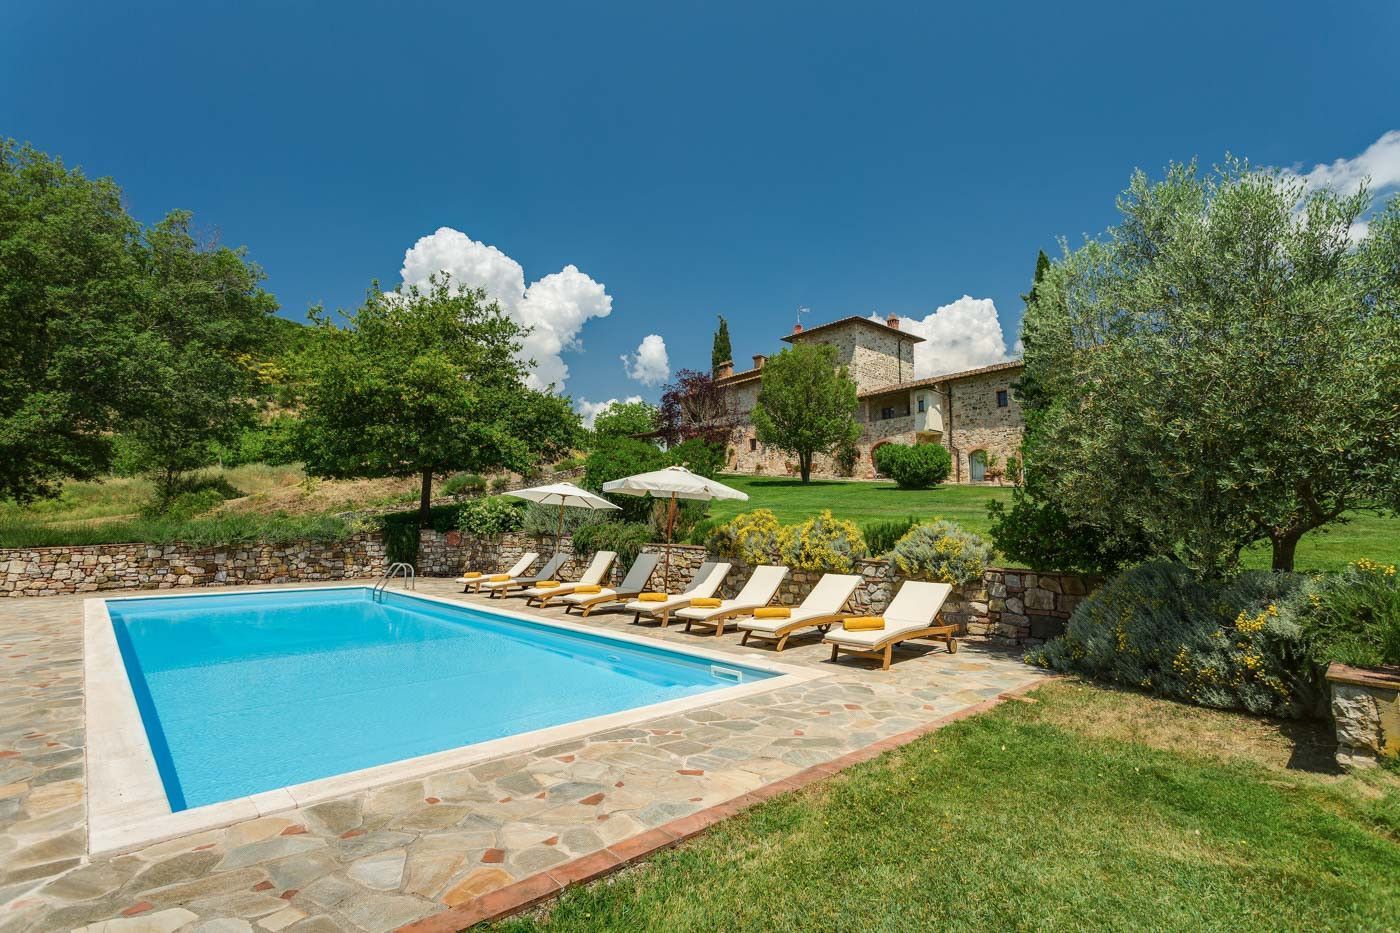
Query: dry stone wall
(55,571)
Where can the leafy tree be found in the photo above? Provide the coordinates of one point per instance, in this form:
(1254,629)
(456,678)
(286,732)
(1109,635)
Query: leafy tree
(206,314)
(721,352)
(806,404)
(698,456)
(696,406)
(70,300)
(1223,368)
(616,457)
(422,381)
(623,419)
(111,326)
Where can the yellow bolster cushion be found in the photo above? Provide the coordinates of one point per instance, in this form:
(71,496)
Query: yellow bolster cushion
(705,602)
(864,623)
(588,588)
(546,584)
(654,597)
(499,577)
(471,574)
(773,612)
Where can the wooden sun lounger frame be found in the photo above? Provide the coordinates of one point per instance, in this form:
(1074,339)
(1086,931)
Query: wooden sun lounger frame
(820,622)
(617,596)
(883,650)
(718,619)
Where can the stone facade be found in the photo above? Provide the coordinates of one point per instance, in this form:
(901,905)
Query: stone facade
(1028,607)
(974,414)
(53,571)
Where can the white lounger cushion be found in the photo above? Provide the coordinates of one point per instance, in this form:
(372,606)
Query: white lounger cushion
(707,580)
(526,559)
(636,578)
(826,598)
(914,607)
(595,571)
(758,591)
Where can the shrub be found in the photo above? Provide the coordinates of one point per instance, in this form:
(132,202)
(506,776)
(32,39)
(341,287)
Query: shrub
(626,538)
(543,520)
(1160,627)
(698,456)
(274,442)
(941,551)
(185,505)
(846,456)
(881,536)
(1036,532)
(750,536)
(1353,616)
(914,467)
(464,484)
(823,543)
(222,528)
(689,513)
(701,531)
(1013,470)
(487,517)
(500,483)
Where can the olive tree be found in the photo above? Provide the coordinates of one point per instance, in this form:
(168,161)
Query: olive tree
(1222,368)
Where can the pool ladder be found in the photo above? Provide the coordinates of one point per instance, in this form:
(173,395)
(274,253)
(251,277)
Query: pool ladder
(409,581)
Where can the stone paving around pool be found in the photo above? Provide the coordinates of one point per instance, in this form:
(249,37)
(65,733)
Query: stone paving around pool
(383,858)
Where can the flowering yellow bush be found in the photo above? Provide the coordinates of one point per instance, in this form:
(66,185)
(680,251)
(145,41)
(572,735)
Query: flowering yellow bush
(750,536)
(941,551)
(824,543)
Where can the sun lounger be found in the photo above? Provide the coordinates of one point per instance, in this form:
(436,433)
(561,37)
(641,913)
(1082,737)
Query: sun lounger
(822,607)
(631,587)
(593,575)
(502,587)
(473,584)
(758,592)
(911,614)
(705,583)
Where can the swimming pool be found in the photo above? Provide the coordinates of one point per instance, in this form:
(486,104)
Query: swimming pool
(240,694)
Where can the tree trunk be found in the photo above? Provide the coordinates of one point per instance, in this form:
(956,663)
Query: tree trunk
(425,500)
(804,463)
(1285,545)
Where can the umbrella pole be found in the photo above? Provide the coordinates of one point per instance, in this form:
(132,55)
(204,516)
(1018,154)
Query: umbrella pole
(559,529)
(670,524)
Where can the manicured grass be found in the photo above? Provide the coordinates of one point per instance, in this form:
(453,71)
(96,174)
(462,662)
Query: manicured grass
(1366,535)
(861,502)
(1086,808)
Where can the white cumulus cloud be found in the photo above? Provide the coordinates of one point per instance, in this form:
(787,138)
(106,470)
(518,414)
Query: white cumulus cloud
(1378,165)
(556,307)
(961,335)
(649,365)
(591,410)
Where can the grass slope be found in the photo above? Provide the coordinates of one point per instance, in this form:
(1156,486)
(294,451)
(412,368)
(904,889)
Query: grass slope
(1087,808)
(1366,535)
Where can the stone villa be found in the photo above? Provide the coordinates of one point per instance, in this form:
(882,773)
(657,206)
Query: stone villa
(973,413)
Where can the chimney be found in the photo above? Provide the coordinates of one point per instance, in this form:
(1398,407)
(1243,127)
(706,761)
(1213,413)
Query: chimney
(758,360)
(724,370)
(797,328)
(892,321)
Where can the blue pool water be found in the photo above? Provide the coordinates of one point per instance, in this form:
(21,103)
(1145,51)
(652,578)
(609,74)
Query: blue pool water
(248,692)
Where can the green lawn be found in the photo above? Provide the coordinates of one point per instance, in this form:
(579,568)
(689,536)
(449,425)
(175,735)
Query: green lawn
(1087,808)
(1366,535)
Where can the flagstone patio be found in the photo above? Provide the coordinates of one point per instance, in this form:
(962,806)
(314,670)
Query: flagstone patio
(382,858)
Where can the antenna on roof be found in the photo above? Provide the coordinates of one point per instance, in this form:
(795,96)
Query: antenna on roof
(801,311)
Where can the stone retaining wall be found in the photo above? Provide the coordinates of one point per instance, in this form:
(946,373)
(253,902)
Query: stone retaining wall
(54,571)
(1009,606)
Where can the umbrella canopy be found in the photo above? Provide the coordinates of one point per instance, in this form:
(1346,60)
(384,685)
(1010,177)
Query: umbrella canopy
(563,495)
(672,483)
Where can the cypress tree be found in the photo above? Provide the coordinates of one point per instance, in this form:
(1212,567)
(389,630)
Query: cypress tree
(722,352)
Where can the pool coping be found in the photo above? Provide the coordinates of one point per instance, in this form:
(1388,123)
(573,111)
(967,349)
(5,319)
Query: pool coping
(542,886)
(126,801)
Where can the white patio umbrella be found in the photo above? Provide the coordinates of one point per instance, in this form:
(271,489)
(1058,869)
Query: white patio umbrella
(564,495)
(672,483)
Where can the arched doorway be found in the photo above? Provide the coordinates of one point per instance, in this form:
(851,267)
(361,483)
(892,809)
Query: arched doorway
(977,465)
(875,466)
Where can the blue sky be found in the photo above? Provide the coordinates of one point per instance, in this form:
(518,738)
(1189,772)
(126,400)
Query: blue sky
(687,159)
